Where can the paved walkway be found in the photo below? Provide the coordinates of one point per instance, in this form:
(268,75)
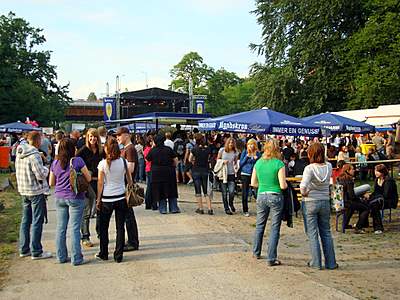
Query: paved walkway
(183,256)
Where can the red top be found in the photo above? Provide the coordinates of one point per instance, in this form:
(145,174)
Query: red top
(148,163)
(335,174)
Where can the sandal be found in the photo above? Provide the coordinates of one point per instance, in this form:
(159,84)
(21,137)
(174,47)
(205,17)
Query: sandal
(274,263)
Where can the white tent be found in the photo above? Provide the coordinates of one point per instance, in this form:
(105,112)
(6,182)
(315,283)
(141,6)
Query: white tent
(383,116)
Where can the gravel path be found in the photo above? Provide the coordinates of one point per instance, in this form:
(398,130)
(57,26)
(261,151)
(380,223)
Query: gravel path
(183,256)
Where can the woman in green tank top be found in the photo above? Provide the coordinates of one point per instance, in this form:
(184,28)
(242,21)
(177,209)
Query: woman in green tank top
(269,176)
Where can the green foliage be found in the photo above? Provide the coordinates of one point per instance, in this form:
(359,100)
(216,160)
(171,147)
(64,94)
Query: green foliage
(92,97)
(326,56)
(190,66)
(27,79)
(238,97)
(374,55)
(226,92)
(216,102)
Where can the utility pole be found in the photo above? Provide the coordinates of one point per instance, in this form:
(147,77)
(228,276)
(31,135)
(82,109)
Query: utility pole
(191,106)
(117,99)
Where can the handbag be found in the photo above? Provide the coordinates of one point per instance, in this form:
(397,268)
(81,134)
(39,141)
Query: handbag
(336,197)
(134,194)
(376,202)
(77,180)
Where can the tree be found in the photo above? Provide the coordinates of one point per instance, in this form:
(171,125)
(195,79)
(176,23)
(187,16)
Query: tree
(374,56)
(216,84)
(190,66)
(303,44)
(27,79)
(92,97)
(238,98)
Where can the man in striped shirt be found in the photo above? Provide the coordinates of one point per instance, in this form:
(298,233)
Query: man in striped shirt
(32,185)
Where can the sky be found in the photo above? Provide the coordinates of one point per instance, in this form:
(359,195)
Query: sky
(93,41)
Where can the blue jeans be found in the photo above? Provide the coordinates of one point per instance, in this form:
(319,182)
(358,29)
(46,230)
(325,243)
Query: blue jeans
(172,203)
(69,209)
(318,214)
(33,211)
(228,193)
(140,172)
(266,204)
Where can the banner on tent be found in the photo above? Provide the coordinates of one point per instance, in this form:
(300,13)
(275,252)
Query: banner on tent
(109,109)
(353,128)
(295,131)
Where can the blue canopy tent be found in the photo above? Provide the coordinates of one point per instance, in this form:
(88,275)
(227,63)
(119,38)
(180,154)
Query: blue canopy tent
(17,127)
(339,124)
(264,121)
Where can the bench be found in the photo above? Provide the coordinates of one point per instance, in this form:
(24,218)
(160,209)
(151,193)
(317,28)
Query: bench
(295,181)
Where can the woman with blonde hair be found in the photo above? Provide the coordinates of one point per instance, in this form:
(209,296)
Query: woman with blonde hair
(247,162)
(229,155)
(270,178)
(92,153)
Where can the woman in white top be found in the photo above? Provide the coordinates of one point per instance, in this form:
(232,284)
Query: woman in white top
(343,154)
(111,196)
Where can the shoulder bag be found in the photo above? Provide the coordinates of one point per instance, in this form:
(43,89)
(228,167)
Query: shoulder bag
(77,180)
(134,194)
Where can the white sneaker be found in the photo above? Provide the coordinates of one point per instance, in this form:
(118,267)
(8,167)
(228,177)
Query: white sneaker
(24,254)
(44,255)
(378,231)
(246,214)
(190,181)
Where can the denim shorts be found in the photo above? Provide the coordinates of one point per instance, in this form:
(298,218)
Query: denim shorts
(179,166)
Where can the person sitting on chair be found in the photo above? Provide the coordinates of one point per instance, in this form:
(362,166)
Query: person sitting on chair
(386,187)
(352,201)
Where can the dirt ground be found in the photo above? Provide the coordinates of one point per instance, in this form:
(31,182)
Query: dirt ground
(191,256)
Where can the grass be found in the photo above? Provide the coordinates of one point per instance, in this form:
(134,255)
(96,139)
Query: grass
(9,226)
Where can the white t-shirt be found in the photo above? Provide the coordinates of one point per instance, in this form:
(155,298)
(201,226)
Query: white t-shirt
(114,180)
(56,149)
(169,143)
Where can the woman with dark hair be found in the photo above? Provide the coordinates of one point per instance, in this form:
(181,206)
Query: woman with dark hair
(229,155)
(385,189)
(386,186)
(270,178)
(92,153)
(314,188)
(111,197)
(163,177)
(200,158)
(69,206)
(149,204)
(352,202)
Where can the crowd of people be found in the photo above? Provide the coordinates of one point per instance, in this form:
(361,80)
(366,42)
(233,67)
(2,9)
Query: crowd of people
(210,162)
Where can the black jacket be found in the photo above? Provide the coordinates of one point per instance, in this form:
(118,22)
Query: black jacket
(291,204)
(348,191)
(389,192)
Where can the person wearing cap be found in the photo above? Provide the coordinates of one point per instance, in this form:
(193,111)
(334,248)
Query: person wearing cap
(130,154)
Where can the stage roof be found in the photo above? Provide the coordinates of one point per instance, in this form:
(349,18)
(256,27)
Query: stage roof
(154,94)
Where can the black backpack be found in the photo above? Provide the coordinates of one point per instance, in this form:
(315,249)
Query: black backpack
(179,148)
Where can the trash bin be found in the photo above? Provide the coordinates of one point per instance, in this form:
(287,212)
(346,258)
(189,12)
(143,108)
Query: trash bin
(4,157)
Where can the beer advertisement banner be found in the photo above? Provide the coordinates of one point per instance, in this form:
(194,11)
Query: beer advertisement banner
(109,109)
